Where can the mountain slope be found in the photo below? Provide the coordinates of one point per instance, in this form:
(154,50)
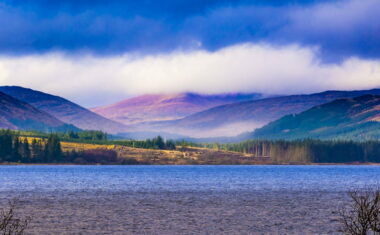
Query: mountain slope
(63,109)
(232,119)
(15,114)
(148,108)
(350,118)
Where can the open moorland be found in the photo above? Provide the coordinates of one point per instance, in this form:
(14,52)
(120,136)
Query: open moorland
(179,156)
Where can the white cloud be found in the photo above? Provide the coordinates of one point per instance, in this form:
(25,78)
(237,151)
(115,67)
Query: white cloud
(91,80)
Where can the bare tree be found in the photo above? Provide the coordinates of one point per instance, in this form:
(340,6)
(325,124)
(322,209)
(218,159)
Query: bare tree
(362,217)
(9,223)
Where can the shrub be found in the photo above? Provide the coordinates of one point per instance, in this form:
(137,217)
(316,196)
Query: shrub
(363,215)
(9,223)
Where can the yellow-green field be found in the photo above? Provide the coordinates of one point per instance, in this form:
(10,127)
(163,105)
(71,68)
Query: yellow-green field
(182,155)
(69,146)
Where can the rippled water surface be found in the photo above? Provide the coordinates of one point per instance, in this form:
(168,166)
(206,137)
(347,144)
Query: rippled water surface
(186,178)
(183,199)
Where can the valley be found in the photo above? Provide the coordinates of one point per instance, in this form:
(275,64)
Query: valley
(334,117)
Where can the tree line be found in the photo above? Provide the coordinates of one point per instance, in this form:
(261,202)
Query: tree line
(309,150)
(85,135)
(17,149)
(14,148)
(102,138)
(99,137)
(155,143)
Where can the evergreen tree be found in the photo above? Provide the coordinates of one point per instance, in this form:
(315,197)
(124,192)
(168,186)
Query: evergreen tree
(53,152)
(38,151)
(16,155)
(170,145)
(26,154)
(72,135)
(34,150)
(158,142)
(6,145)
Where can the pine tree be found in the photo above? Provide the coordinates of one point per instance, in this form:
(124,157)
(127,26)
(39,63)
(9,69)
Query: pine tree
(26,154)
(34,150)
(16,156)
(53,152)
(158,142)
(38,151)
(6,145)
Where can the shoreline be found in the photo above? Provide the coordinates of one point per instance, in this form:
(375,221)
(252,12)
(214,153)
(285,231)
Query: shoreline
(258,164)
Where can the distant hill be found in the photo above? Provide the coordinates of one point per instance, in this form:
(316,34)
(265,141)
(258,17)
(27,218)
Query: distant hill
(235,118)
(18,115)
(63,109)
(351,118)
(148,108)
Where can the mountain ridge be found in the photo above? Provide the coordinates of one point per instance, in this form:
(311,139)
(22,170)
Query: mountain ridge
(249,115)
(16,114)
(63,109)
(162,107)
(346,118)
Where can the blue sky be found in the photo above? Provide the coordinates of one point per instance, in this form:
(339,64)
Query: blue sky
(334,33)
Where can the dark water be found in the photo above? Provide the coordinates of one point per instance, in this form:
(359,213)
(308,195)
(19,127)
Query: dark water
(186,178)
(183,199)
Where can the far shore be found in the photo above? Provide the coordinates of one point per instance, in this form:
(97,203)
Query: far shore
(258,164)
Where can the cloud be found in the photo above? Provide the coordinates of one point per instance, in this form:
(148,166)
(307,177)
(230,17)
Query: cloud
(91,80)
(340,28)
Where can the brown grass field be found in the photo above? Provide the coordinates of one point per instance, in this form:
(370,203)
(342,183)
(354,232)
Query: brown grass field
(180,156)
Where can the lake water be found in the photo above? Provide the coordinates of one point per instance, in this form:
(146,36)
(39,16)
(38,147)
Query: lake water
(183,199)
(187,178)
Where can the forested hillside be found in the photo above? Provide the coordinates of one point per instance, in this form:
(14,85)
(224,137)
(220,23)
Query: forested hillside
(233,119)
(347,119)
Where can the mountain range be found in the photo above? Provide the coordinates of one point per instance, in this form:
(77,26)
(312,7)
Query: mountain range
(233,119)
(160,107)
(63,109)
(330,114)
(15,114)
(350,118)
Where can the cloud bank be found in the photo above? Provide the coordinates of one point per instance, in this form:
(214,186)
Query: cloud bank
(91,80)
(340,28)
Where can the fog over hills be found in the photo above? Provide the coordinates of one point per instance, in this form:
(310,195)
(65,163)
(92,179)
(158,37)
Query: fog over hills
(233,119)
(162,107)
(173,116)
